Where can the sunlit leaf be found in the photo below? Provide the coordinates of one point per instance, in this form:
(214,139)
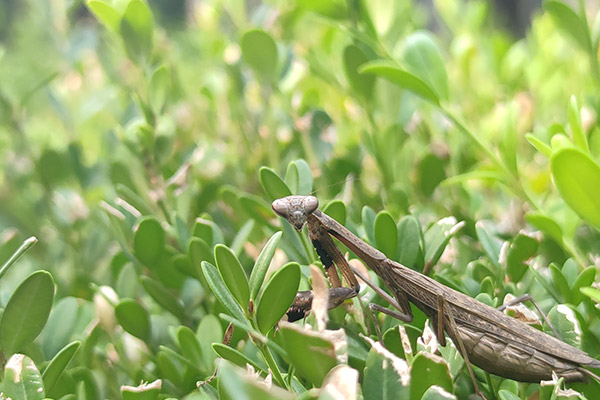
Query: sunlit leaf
(26,312)
(577,178)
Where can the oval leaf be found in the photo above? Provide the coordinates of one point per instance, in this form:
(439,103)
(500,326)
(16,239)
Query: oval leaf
(409,235)
(22,379)
(539,145)
(137,25)
(278,296)
(272,184)
(26,312)
(386,233)
(545,224)
(361,84)
(134,318)
(404,79)
(336,209)
(584,279)
(59,364)
(158,88)
(257,276)
(219,289)
(163,297)
(425,370)
(189,345)
(424,58)
(260,52)
(592,293)
(149,241)
(233,274)
(383,380)
(577,178)
(568,20)
(105,13)
(305,179)
(314,364)
(234,356)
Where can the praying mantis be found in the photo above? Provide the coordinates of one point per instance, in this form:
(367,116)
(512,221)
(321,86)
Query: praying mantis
(484,336)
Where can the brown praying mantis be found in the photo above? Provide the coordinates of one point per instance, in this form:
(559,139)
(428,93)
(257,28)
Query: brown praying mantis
(484,336)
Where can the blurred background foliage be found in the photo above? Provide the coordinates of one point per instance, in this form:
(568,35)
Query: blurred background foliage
(132,136)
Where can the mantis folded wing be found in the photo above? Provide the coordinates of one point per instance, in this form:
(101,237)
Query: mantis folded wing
(484,336)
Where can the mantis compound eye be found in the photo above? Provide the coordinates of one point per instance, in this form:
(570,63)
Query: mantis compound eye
(310,204)
(281,207)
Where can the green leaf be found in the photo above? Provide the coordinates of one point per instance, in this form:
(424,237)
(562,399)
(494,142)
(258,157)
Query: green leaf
(257,276)
(386,233)
(545,224)
(563,319)
(361,84)
(424,58)
(305,179)
(335,9)
(190,346)
(506,395)
(127,284)
(106,14)
(209,331)
(336,209)
(233,274)
(26,312)
(382,381)
(208,231)
(257,208)
(567,20)
(144,391)
(134,318)
(437,238)
(592,293)
(368,221)
(491,245)
(436,392)
(219,289)
(58,365)
(22,379)
(136,30)
(199,251)
(409,240)
(61,325)
(577,178)
(577,132)
(234,356)
(539,145)
(236,383)
(425,370)
(158,88)
(149,241)
(272,184)
(560,283)
(406,80)
(277,297)
(313,365)
(260,52)
(520,250)
(163,297)
(431,172)
(584,279)
(595,34)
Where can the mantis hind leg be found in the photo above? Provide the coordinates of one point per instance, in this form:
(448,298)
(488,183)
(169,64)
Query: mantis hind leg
(445,317)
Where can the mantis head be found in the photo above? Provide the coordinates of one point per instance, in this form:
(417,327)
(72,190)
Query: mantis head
(295,209)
